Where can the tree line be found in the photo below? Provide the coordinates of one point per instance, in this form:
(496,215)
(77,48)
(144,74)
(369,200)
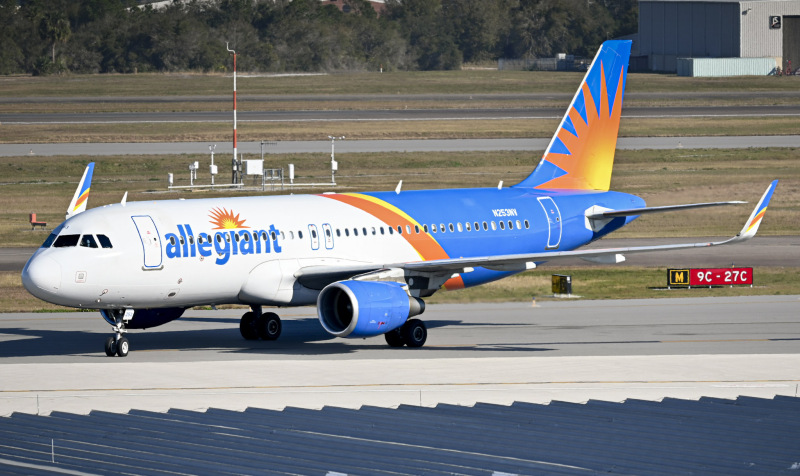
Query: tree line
(120,36)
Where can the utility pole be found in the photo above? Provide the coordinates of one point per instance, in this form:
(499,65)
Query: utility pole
(235,163)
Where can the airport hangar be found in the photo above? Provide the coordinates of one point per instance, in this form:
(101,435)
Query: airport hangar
(718,37)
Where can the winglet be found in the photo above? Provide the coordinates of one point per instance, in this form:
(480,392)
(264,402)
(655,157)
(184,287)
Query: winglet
(751,226)
(78,203)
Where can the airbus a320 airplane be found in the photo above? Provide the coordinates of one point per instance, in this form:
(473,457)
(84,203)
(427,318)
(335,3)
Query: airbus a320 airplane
(366,260)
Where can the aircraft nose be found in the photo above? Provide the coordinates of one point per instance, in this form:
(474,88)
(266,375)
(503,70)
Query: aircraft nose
(42,276)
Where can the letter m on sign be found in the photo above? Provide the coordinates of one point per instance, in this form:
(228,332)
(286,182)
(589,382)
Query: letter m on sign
(677,277)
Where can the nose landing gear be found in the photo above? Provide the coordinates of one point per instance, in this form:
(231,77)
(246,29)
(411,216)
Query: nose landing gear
(117,344)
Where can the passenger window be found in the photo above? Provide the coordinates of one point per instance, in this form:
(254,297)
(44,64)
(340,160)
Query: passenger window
(355,231)
(425,228)
(494,225)
(374,232)
(383,232)
(219,239)
(502,225)
(346,232)
(66,241)
(87,241)
(338,232)
(519,225)
(408,229)
(328,232)
(246,238)
(433,227)
(364,230)
(450,226)
(180,238)
(468,226)
(485,226)
(104,241)
(416,229)
(400,229)
(527,225)
(300,234)
(510,225)
(477,227)
(391,230)
(441,227)
(458,225)
(274,236)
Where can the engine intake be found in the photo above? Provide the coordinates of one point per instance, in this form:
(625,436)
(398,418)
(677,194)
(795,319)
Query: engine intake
(365,308)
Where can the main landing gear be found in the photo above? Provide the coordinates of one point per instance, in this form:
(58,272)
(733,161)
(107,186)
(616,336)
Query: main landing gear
(257,325)
(413,334)
(117,344)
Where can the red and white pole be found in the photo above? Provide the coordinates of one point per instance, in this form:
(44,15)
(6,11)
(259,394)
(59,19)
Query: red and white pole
(235,154)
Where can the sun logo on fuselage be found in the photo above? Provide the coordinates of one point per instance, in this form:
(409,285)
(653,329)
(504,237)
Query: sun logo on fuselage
(226,220)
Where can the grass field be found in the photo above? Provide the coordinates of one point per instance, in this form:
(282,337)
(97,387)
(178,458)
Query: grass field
(45,184)
(418,82)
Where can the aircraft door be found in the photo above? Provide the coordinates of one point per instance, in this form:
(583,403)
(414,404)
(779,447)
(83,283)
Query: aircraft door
(314,234)
(326,228)
(151,241)
(553,222)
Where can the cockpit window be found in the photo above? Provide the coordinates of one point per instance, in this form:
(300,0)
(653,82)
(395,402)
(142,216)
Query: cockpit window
(49,241)
(88,241)
(104,241)
(66,241)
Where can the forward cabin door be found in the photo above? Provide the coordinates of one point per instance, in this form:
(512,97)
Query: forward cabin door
(151,242)
(553,215)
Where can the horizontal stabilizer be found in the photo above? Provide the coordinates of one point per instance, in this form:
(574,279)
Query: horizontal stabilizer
(669,208)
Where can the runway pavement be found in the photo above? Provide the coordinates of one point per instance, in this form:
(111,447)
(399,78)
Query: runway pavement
(360,146)
(499,353)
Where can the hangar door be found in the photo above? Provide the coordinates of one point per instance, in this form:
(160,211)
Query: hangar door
(791,41)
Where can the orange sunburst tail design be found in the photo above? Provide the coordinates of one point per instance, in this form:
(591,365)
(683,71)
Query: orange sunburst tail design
(581,153)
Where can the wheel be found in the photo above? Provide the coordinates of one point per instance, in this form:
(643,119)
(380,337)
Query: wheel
(247,326)
(111,347)
(415,333)
(122,347)
(395,338)
(269,326)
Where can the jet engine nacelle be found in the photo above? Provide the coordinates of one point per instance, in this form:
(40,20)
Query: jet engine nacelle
(144,318)
(365,308)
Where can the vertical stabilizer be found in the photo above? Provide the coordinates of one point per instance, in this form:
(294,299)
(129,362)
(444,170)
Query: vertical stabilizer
(78,203)
(581,153)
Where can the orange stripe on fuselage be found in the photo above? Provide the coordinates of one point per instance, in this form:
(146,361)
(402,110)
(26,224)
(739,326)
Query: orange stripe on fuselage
(423,243)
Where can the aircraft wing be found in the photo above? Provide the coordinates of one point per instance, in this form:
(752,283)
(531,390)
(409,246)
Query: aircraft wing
(319,276)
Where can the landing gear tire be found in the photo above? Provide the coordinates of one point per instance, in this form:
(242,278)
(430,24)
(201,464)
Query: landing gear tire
(111,347)
(395,338)
(414,333)
(123,346)
(248,326)
(269,326)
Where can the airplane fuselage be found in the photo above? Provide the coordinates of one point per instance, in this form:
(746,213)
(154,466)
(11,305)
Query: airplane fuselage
(246,250)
